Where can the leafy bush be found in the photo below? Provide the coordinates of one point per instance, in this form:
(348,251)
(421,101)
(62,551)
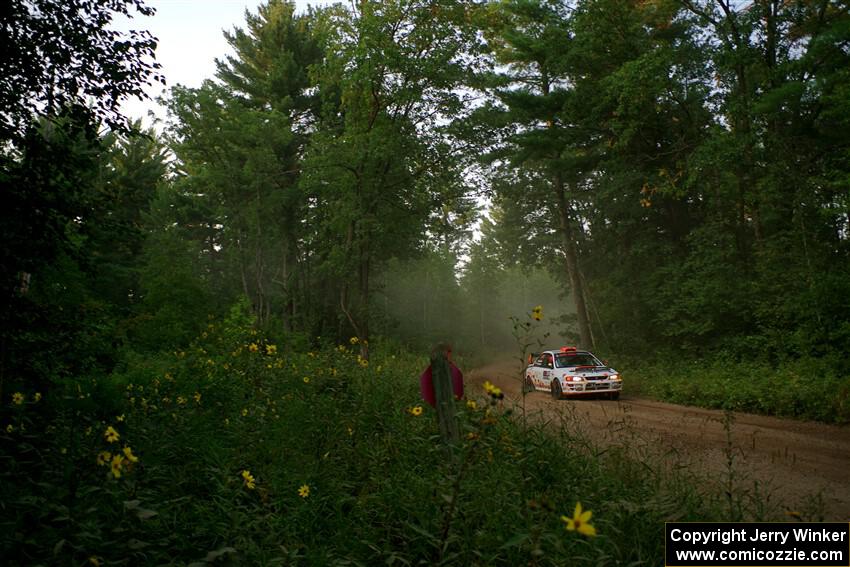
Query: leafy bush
(249,451)
(805,388)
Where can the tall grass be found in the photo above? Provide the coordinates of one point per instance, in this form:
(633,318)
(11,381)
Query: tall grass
(250,452)
(805,389)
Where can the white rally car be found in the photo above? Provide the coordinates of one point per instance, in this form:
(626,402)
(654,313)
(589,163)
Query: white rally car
(571,372)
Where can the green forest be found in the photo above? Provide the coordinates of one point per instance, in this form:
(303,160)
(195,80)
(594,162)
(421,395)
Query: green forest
(211,329)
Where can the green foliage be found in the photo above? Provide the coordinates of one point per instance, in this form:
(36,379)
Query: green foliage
(229,431)
(60,54)
(380,165)
(701,183)
(804,388)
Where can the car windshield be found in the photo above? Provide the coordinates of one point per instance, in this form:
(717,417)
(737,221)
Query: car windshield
(567,360)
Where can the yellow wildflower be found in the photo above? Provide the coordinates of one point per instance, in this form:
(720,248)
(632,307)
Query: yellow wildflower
(416,410)
(130,456)
(354,340)
(37,397)
(197,397)
(181,400)
(494,391)
(304,491)
(111,435)
(103,458)
(244,412)
(579,521)
(306,379)
(253,347)
(17,398)
(537,313)
(94,561)
(10,428)
(117,463)
(271,349)
(472,404)
(248,480)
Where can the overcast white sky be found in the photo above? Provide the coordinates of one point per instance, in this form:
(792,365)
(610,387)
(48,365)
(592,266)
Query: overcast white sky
(190,39)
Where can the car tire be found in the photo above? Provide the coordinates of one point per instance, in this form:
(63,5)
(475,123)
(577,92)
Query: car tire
(556,389)
(527,385)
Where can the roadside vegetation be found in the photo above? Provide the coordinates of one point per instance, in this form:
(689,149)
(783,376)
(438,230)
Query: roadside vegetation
(238,449)
(805,389)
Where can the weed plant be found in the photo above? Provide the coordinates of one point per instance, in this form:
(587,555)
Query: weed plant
(805,389)
(243,450)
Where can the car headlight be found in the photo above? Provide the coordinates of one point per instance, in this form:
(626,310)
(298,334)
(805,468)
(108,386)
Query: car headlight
(575,378)
(614,377)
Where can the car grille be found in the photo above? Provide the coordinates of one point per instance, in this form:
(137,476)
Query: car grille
(595,377)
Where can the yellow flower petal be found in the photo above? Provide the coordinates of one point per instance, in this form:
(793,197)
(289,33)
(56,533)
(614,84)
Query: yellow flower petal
(580,521)
(130,456)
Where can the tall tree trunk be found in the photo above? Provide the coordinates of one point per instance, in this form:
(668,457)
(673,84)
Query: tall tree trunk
(363,334)
(571,256)
(286,276)
(358,317)
(242,271)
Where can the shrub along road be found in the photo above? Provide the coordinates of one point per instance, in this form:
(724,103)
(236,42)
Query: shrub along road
(800,466)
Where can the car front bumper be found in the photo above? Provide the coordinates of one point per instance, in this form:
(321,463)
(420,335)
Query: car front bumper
(602,387)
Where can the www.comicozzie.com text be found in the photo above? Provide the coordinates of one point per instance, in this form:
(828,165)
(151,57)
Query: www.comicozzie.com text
(744,534)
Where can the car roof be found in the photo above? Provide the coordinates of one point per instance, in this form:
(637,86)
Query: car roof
(559,351)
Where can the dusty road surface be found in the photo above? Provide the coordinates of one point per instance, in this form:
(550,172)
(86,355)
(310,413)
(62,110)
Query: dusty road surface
(795,466)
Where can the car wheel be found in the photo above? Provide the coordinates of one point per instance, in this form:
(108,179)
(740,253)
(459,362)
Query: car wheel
(556,389)
(527,385)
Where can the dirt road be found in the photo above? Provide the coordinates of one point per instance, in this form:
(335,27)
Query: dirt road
(796,465)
